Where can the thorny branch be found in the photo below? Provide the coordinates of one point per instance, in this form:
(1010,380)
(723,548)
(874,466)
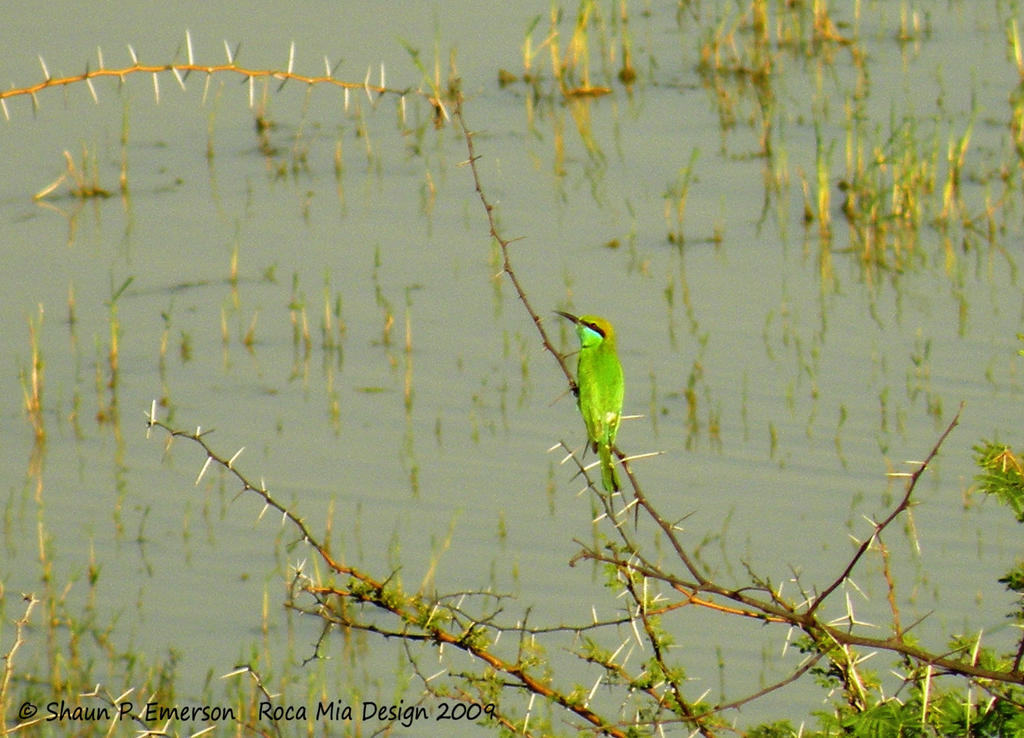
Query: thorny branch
(771,609)
(419,617)
(443,621)
(182,70)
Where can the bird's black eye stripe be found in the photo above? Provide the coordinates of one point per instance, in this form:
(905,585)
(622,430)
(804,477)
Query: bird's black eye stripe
(596,328)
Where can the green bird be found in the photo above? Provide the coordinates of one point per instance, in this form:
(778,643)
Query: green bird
(599,389)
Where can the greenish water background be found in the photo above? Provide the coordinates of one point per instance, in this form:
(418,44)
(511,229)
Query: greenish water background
(818,386)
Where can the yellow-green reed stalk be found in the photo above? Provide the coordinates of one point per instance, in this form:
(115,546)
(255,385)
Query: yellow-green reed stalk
(407,390)
(913,177)
(76,398)
(32,384)
(327,322)
(824,27)
(114,354)
(125,128)
(72,315)
(823,192)
(408,444)
(108,410)
(956,153)
(211,128)
(382,302)
(1013,38)
(557,65)
(339,166)
(759,19)
(910,24)
(185,346)
(373,161)
(627,73)
(579,45)
(165,340)
(298,319)
(225,335)
(233,271)
(563,66)
(249,339)
(86,179)
(676,197)
(854,158)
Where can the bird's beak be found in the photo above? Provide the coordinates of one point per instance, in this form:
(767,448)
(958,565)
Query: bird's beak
(568,316)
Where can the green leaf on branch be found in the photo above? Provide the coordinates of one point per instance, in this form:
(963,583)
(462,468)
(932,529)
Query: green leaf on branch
(1002,475)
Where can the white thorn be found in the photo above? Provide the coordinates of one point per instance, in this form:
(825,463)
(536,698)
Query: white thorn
(203,470)
(177,76)
(647,455)
(92,90)
(617,650)
(188,47)
(435,676)
(291,58)
(156,88)
(977,645)
(123,695)
(46,72)
(237,454)
(636,633)
(135,59)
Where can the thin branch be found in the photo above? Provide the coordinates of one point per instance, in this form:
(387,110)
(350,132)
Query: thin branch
(181,70)
(504,244)
(903,505)
(408,609)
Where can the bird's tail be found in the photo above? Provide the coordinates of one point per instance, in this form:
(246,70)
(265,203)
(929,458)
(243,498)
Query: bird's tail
(609,478)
